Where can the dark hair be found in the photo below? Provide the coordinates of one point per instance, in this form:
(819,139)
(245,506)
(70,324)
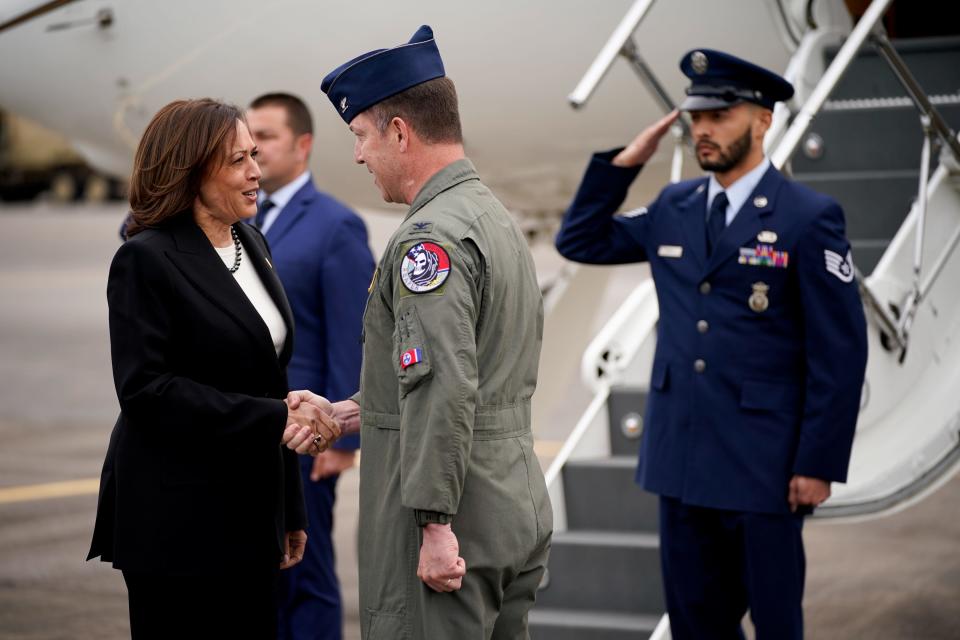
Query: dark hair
(185,142)
(298,116)
(430,108)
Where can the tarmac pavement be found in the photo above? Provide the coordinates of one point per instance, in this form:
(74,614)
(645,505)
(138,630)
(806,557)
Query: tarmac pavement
(889,579)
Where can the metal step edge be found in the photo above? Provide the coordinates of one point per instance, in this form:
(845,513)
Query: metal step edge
(587,619)
(871,174)
(623,539)
(614,462)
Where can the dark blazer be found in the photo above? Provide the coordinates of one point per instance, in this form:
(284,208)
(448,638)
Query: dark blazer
(761,347)
(321,255)
(195,477)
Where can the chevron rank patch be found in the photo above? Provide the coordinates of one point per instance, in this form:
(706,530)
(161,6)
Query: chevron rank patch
(840,266)
(633,213)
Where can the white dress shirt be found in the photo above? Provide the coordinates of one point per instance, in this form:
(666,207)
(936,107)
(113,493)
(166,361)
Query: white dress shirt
(739,191)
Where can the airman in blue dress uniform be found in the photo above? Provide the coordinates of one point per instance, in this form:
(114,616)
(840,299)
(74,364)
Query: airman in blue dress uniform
(761,351)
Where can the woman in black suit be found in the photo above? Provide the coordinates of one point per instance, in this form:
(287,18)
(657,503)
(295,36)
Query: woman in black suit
(200,501)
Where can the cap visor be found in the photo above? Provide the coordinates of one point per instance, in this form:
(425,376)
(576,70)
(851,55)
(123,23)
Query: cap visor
(705,103)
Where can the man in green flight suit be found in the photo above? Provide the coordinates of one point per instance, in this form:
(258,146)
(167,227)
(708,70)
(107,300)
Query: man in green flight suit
(455,521)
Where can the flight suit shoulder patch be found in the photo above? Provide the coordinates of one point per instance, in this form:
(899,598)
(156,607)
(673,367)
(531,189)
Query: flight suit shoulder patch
(424,267)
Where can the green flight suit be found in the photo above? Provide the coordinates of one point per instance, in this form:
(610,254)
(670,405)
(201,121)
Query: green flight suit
(449,367)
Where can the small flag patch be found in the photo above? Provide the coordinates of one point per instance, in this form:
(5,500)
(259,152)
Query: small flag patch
(410,357)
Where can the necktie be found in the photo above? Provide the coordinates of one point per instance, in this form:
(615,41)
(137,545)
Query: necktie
(716,220)
(265,206)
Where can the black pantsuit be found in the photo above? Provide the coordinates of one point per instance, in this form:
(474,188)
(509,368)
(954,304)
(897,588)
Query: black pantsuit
(196,489)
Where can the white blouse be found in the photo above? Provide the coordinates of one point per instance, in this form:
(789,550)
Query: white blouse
(249,280)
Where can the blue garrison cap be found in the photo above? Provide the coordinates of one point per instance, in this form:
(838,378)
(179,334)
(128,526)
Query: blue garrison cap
(376,75)
(720,80)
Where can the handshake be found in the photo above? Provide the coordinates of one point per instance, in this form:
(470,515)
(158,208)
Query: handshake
(313,423)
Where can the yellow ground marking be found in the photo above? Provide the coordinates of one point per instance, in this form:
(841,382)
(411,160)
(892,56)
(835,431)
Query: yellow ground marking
(90,486)
(30,492)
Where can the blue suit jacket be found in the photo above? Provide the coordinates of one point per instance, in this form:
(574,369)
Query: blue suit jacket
(321,254)
(776,391)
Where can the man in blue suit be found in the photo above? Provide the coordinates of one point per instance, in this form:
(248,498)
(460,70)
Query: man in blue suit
(321,255)
(761,351)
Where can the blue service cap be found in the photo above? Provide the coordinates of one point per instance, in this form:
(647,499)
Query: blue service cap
(376,75)
(720,80)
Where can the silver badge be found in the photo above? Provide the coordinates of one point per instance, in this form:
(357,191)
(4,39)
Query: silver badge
(760,201)
(759,301)
(343,104)
(698,60)
(767,237)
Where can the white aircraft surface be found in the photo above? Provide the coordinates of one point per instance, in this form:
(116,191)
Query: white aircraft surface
(97,70)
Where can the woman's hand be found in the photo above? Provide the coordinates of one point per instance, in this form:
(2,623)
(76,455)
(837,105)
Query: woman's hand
(294,543)
(309,430)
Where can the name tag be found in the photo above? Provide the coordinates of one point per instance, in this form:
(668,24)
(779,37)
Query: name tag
(670,251)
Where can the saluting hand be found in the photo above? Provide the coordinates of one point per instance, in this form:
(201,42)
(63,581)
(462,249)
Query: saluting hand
(441,568)
(645,144)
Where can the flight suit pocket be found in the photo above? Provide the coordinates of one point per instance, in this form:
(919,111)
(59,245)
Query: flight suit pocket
(385,626)
(412,351)
(770,396)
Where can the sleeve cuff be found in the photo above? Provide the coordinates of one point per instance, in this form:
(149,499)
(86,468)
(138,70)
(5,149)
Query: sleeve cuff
(431,517)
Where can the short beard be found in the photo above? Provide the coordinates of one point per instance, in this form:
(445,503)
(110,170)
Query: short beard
(731,156)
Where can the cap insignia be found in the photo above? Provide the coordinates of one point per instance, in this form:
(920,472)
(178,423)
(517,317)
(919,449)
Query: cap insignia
(698,60)
(343,104)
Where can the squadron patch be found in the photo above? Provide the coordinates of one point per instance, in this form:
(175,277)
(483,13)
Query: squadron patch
(838,265)
(425,267)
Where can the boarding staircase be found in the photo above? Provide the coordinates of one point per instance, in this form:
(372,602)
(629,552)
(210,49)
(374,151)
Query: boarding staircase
(865,146)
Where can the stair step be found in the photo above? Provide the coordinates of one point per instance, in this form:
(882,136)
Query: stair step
(556,624)
(602,495)
(604,570)
(869,140)
(875,205)
(932,61)
(624,401)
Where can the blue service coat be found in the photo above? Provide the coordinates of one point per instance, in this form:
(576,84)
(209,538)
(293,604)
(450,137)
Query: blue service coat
(743,394)
(322,257)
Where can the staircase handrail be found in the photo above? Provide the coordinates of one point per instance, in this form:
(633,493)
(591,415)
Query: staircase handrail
(811,107)
(614,46)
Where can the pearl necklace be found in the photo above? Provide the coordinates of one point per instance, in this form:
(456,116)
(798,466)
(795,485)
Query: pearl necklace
(236,244)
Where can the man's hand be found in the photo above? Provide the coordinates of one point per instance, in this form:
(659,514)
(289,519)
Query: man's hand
(807,491)
(305,424)
(294,398)
(331,462)
(294,543)
(345,412)
(441,568)
(644,145)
